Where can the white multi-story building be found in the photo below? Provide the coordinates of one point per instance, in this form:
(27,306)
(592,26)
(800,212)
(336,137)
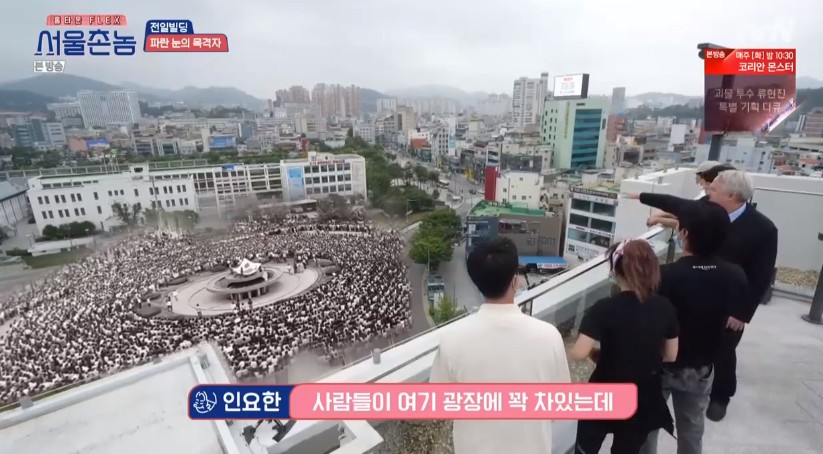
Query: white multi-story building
(386,104)
(220,187)
(745,153)
(590,224)
(528,97)
(54,134)
(64,109)
(104,108)
(57,200)
(521,188)
(365,131)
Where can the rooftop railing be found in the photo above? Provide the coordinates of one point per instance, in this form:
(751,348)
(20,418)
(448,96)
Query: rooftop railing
(561,301)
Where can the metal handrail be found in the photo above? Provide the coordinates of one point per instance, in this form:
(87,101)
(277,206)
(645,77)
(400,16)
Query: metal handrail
(547,287)
(789,191)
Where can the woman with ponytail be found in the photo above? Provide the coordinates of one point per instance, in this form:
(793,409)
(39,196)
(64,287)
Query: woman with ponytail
(637,332)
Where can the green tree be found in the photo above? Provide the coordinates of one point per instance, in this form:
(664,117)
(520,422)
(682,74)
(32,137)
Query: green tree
(430,250)
(434,176)
(334,206)
(445,310)
(436,194)
(443,223)
(421,174)
(129,215)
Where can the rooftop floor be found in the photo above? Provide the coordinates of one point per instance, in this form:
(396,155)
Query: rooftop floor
(779,403)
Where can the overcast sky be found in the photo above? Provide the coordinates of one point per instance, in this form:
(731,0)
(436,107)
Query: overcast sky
(644,45)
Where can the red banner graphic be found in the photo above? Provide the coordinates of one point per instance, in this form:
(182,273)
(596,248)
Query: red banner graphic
(745,62)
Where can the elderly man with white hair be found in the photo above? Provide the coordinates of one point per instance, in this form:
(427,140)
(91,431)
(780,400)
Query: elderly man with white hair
(751,244)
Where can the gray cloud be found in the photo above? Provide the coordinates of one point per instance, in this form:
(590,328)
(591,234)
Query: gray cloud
(644,45)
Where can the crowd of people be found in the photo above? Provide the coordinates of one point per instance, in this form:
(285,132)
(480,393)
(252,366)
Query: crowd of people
(80,322)
(671,330)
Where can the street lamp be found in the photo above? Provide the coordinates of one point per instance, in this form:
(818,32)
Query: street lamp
(815,314)
(727,83)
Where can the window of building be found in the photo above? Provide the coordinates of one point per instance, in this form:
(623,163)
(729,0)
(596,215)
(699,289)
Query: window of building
(63,198)
(44,215)
(73,198)
(136,193)
(60,213)
(82,211)
(77,211)
(582,205)
(96,197)
(79,198)
(122,192)
(99,209)
(576,219)
(605,226)
(168,203)
(603,209)
(51,215)
(348,187)
(110,194)
(39,200)
(522,197)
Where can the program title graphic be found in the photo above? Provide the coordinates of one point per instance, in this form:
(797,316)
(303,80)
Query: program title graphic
(78,35)
(749,90)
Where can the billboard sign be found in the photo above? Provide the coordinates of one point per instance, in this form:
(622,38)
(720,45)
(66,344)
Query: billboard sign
(221,141)
(573,86)
(748,90)
(97,143)
(296,184)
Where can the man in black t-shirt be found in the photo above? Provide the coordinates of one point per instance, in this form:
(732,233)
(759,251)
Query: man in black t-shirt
(705,292)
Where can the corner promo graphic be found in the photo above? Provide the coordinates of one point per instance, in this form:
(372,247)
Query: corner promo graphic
(78,35)
(391,401)
(749,90)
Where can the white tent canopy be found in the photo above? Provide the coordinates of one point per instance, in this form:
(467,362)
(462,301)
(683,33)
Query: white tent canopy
(246,268)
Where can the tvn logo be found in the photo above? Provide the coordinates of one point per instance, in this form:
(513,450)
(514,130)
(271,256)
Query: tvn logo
(779,33)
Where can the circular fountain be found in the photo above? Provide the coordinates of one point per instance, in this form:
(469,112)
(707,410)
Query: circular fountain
(245,281)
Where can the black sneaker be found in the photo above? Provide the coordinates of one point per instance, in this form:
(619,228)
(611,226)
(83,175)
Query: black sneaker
(716,411)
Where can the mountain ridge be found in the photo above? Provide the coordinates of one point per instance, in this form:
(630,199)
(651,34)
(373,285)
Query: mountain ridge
(67,85)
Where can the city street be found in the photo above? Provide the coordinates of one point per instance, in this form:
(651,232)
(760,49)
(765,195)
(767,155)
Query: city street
(458,284)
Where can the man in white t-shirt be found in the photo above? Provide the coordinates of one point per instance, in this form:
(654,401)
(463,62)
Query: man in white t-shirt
(500,344)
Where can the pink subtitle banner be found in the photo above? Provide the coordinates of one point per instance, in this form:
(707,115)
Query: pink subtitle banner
(524,401)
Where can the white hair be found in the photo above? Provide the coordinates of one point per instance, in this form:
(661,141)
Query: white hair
(737,183)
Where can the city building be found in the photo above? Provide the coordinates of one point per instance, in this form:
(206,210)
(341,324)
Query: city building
(104,108)
(40,134)
(519,187)
(528,97)
(576,131)
(365,131)
(525,156)
(618,100)
(337,100)
(616,125)
(494,105)
(811,124)
(216,189)
(590,225)
(57,200)
(561,301)
(386,104)
(64,109)
(535,232)
(14,206)
(744,152)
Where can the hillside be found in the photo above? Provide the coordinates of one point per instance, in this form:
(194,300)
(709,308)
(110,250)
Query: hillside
(23,101)
(62,85)
(57,85)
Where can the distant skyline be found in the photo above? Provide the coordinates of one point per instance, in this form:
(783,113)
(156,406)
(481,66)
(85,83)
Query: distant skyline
(385,46)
